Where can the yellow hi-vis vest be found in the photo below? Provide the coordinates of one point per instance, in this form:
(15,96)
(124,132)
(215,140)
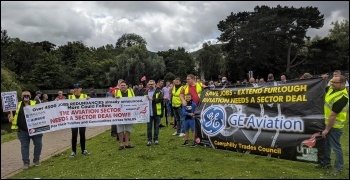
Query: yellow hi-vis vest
(82,96)
(119,93)
(14,122)
(175,97)
(198,89)
(330,99)
(158,105)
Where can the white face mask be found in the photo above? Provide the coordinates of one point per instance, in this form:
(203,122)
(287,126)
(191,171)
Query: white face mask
(26,99)
(223,80)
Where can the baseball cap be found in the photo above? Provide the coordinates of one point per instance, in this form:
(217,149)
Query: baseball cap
(76,85)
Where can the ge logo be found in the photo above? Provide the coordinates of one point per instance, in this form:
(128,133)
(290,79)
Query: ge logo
(213,120)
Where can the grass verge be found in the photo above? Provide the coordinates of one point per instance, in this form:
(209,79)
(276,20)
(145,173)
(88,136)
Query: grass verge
(172,161)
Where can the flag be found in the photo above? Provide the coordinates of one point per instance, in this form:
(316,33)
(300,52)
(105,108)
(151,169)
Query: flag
(143,78)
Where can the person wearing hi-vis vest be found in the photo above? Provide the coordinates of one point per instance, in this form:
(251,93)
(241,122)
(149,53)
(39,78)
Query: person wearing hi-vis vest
(78,95)
(336,109)
(124,129)
(19,124)
(176,105)
(155,97)
(193,88)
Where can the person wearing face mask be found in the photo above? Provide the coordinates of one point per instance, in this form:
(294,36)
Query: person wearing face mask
(19,124)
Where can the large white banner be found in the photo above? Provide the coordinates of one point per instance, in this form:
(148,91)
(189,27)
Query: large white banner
(57,115)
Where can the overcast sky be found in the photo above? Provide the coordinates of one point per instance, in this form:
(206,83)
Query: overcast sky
(163,24)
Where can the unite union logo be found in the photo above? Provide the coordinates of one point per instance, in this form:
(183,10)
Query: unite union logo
(213,120)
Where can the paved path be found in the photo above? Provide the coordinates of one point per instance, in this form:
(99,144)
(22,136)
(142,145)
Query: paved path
(53,143)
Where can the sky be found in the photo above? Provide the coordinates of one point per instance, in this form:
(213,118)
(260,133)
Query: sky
(163,24)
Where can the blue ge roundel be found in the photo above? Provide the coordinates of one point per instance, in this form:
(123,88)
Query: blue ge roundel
(213,120)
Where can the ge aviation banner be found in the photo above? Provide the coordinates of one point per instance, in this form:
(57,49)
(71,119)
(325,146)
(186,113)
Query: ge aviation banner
(278,120)
(57,115)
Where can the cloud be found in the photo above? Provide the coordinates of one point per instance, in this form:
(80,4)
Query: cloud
(163,24)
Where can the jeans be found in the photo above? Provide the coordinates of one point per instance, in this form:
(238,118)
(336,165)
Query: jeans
(75,136)
(153,121)
(332,140)
(24,138)
(179,120)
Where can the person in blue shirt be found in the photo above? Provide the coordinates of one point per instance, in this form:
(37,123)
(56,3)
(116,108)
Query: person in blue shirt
(189,123)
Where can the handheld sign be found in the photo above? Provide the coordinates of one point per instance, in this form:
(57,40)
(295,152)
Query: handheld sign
(9,101)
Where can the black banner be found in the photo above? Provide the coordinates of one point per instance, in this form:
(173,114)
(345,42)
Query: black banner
(276,120)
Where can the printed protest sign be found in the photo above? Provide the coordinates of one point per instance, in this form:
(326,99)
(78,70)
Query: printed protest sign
(9,101)
(279,120)
(57,115)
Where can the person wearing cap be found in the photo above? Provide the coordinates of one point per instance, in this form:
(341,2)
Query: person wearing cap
(37,97)
(78,95)
(19,124)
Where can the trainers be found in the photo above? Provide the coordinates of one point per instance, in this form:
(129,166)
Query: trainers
(149,143)
(322,166)
(129,146)
(193,145)
(182,135)
(72,155)
(36,163)
(85,152)
(25,166)
(175,134)
(156,142)
(185,143)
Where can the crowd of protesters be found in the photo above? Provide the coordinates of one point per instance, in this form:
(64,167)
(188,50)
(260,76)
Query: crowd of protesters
(177,101)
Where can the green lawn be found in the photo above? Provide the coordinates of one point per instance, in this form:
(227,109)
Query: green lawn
(8,137)
(171,160)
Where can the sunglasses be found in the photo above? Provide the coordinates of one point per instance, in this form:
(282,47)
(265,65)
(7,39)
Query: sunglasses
(26,95)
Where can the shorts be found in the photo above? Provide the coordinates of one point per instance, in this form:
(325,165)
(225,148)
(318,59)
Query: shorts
(124,127)
(189,124)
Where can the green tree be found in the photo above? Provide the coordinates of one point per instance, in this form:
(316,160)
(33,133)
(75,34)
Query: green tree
(135,62)
(130,39)
(210,62)
(9,82)
(268,39)
(178,62)
(48,72)
(340,33)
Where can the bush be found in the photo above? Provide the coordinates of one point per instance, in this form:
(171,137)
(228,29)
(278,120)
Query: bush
(4,132)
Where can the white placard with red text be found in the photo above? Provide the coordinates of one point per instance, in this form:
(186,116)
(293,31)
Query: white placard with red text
(57,115)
